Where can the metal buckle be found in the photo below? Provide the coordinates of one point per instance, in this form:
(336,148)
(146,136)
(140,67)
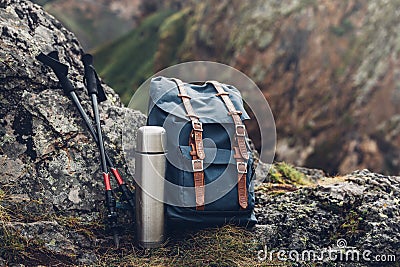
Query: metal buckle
(197,168)
(239,165)
(197,126)
(240,127)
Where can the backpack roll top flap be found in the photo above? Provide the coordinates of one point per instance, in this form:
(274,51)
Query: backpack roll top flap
(164,94)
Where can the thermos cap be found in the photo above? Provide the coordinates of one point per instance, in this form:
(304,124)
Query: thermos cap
(151,139)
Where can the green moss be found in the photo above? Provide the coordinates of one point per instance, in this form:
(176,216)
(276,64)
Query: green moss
(276,176)
(351,226)
(284,173)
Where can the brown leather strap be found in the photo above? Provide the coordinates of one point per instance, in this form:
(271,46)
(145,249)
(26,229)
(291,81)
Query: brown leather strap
(198,175)
(240,128)
(196,142)
(196,124)
(241,166)
(241,155)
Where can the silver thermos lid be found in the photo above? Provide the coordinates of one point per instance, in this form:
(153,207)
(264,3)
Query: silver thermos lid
(151,139)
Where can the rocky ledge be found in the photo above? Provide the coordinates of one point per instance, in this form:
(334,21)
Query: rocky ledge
(360,209)
(51,193)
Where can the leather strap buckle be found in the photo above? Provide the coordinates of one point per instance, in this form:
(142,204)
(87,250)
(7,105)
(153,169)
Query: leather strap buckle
(241,167)
(197,126)
(240,130)
(197,165)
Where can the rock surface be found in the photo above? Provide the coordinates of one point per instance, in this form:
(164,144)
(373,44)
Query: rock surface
(49,163)
(362,208)
(45,146)
(51,210)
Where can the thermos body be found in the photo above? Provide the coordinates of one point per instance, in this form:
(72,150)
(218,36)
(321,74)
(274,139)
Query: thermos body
(149,178)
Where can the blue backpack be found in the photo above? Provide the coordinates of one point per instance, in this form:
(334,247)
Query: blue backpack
(210,168)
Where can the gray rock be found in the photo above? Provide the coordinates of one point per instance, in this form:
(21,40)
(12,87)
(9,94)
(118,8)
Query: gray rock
(313,174)
(54,236)
(362,208)
(49,162)
(3,262)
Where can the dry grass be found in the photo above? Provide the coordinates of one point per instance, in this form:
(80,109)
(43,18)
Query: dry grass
(11,243)
(4,216)
(332,180)
(227,246)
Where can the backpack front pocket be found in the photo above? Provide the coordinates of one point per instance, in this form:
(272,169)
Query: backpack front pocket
(220,178)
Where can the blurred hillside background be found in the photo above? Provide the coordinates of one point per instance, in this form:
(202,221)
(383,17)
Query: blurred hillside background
(330,70)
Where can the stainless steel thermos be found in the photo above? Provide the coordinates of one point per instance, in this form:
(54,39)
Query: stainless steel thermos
(149,177)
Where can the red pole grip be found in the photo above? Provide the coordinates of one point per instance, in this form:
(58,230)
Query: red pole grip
(117,176)
(107,184)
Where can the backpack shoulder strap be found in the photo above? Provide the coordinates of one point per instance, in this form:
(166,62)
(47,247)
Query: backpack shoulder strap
(240,148)
(196,143)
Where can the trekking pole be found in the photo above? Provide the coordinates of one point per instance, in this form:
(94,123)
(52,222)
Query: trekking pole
(93,91)
(61,71)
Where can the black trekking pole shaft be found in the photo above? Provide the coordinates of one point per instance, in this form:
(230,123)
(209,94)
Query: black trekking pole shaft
(88,123)
(122,185)
(99,135)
